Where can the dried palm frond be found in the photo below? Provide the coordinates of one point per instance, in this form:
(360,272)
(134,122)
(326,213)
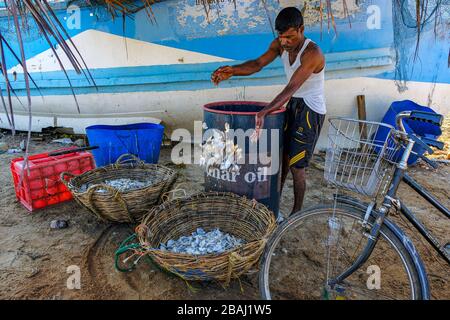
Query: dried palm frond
(330,16)
(321,18)
(415,16)
(39,12)
(344,3)
(424,13)
(117,8)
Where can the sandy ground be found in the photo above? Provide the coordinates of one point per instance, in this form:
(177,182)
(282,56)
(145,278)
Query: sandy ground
(34,258)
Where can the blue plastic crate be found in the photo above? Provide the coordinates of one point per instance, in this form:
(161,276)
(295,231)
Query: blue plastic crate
(421,129)
(141,139)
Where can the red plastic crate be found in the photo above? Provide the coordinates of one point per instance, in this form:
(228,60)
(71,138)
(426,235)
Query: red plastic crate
(41,185)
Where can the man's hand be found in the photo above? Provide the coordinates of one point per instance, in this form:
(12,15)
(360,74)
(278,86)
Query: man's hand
(221,74)
(259,123)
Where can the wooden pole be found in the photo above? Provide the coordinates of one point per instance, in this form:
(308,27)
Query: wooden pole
(361,100)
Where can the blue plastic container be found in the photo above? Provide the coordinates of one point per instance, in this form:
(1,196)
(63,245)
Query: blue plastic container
(141,139)
(420,128)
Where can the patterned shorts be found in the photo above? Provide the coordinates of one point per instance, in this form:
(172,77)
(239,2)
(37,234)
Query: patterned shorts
(301,131)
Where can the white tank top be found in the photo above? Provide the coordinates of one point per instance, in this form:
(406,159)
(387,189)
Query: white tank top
(312,90)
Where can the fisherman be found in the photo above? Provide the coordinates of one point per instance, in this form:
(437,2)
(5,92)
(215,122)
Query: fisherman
(304,65)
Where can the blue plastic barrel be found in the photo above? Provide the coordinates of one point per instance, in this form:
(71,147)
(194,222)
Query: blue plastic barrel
(420,128)
(140,139)
(259,180)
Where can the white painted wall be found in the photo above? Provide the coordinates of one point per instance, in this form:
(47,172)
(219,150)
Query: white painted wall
(179,109)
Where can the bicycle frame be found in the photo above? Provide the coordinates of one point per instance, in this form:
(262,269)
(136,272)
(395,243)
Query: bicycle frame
(389,201)
(417,224)
(401,235)
(380,219)
(379,216)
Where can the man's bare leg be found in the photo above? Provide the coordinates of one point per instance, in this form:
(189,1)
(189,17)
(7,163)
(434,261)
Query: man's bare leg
(284,170)
(299,175)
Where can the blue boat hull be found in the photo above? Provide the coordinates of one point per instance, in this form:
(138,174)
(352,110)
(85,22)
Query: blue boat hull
(160,72)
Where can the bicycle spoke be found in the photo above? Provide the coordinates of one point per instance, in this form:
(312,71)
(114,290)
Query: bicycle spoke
(311,253)
(348,239)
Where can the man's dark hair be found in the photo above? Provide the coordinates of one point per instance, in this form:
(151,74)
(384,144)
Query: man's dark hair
(289,17)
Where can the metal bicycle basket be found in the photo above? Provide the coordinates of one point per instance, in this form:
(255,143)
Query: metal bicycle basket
(361,155)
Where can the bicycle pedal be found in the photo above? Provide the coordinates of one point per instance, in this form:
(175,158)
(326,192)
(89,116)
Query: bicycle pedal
(365,225)
(339,292)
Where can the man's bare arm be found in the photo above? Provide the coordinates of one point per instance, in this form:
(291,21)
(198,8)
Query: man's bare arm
(249,67)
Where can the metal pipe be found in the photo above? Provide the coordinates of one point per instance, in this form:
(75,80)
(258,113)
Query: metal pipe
(400,117)
(426,195)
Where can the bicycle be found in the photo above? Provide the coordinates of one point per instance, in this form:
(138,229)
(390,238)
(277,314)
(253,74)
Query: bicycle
(350,249)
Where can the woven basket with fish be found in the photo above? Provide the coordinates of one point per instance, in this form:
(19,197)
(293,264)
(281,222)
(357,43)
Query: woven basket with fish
(121,192)
(239,217)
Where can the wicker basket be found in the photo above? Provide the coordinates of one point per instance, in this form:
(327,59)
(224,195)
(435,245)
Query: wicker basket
(125,206)
(238,216)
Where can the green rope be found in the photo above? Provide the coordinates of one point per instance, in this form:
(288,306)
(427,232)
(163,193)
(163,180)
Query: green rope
(124,247)
(325,294)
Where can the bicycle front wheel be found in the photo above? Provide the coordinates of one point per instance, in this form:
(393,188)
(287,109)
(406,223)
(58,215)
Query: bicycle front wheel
(314,246)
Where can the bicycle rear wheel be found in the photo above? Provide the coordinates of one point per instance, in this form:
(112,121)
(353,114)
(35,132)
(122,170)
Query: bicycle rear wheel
(316,245)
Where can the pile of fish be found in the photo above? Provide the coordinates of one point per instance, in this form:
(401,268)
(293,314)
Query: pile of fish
(219,151)
(122,184)
(201,242)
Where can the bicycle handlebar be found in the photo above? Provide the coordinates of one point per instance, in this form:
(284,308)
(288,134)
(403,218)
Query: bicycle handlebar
(399,120)
(429,117)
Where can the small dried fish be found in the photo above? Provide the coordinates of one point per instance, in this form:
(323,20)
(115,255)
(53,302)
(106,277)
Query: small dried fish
(219,151)
(201,242)
(122,184)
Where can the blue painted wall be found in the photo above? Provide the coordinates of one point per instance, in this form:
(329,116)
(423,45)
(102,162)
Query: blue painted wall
(244,39)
